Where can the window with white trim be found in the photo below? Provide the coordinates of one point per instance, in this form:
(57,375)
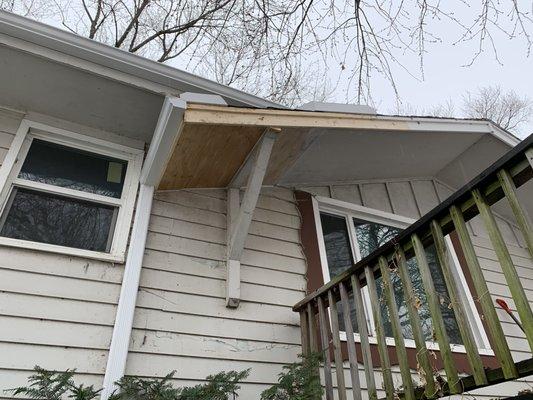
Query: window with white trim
(350,233)
(68,193)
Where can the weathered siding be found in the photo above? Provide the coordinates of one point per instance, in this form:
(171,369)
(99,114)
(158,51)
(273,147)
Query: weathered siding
(181,321)
(413,198)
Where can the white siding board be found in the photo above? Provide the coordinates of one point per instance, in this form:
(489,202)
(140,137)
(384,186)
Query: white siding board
(213,307)
(52,264)
(179,283)
(206,326)
(166,343)
(192,368)
(61,287)
(10,120)
(56,309)
(54,333)
(402,199)
(216,269)
(425,195)
(25,357)
(375,196)
(3,153)
(316,190)
(192,200)
(5,139)
(348,193)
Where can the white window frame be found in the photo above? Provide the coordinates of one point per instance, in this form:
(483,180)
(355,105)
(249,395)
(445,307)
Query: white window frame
(350,211)
(29,130)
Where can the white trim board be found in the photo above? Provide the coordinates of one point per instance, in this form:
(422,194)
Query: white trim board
(166,134)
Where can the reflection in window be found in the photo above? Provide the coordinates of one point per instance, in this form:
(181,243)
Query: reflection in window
(369,237)
(53,219)
(372,235)
(74,169)
(339,255)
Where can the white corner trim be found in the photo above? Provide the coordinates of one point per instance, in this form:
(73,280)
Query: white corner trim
(503,135)
(166,134)
(118,351)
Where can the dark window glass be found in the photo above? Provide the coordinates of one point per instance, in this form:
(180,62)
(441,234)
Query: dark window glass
(46,218)
(339,255)
(74,169)
(370,236)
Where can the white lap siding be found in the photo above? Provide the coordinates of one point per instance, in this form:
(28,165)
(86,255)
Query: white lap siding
(181,322)
(414,198)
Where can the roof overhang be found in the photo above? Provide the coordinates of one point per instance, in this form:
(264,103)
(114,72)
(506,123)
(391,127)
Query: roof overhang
(65,47)
(318,147)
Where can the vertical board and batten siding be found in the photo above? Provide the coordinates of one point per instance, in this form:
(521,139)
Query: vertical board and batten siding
(181,321)
(415,197)
(56,311)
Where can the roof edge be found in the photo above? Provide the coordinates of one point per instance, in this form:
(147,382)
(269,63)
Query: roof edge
(102,54)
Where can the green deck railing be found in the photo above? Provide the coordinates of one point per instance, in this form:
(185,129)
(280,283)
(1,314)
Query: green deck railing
(320,328)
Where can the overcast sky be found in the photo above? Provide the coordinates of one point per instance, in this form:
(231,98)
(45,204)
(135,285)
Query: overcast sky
(447,77)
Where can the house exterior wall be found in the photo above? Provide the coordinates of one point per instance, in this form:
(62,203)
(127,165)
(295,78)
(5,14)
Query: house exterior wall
(415,197)
(181,321)
(56,311)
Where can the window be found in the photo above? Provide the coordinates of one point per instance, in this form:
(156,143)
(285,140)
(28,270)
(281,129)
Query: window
(69,194)
(349,233)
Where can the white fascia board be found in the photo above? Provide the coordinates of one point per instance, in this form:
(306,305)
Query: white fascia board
(77,46)
(503,135)
(166,134)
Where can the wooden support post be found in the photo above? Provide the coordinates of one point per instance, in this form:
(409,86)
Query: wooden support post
(508,268)
(380,333)
(304,330)
(363,334)
(476,364)
(499,342)
(416,326)
(529,156)
(240,217)
(522,218)
(337,351)
(311,319)
(350,343)
(324,338)
(436,315)
(399,343)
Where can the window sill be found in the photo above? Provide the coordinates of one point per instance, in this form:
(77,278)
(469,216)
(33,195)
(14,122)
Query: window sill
(410,344)
(69,251)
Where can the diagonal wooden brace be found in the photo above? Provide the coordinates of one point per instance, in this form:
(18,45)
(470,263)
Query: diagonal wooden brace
(239,216)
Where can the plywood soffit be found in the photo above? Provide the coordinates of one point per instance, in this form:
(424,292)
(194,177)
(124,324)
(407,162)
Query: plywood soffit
(208,155)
